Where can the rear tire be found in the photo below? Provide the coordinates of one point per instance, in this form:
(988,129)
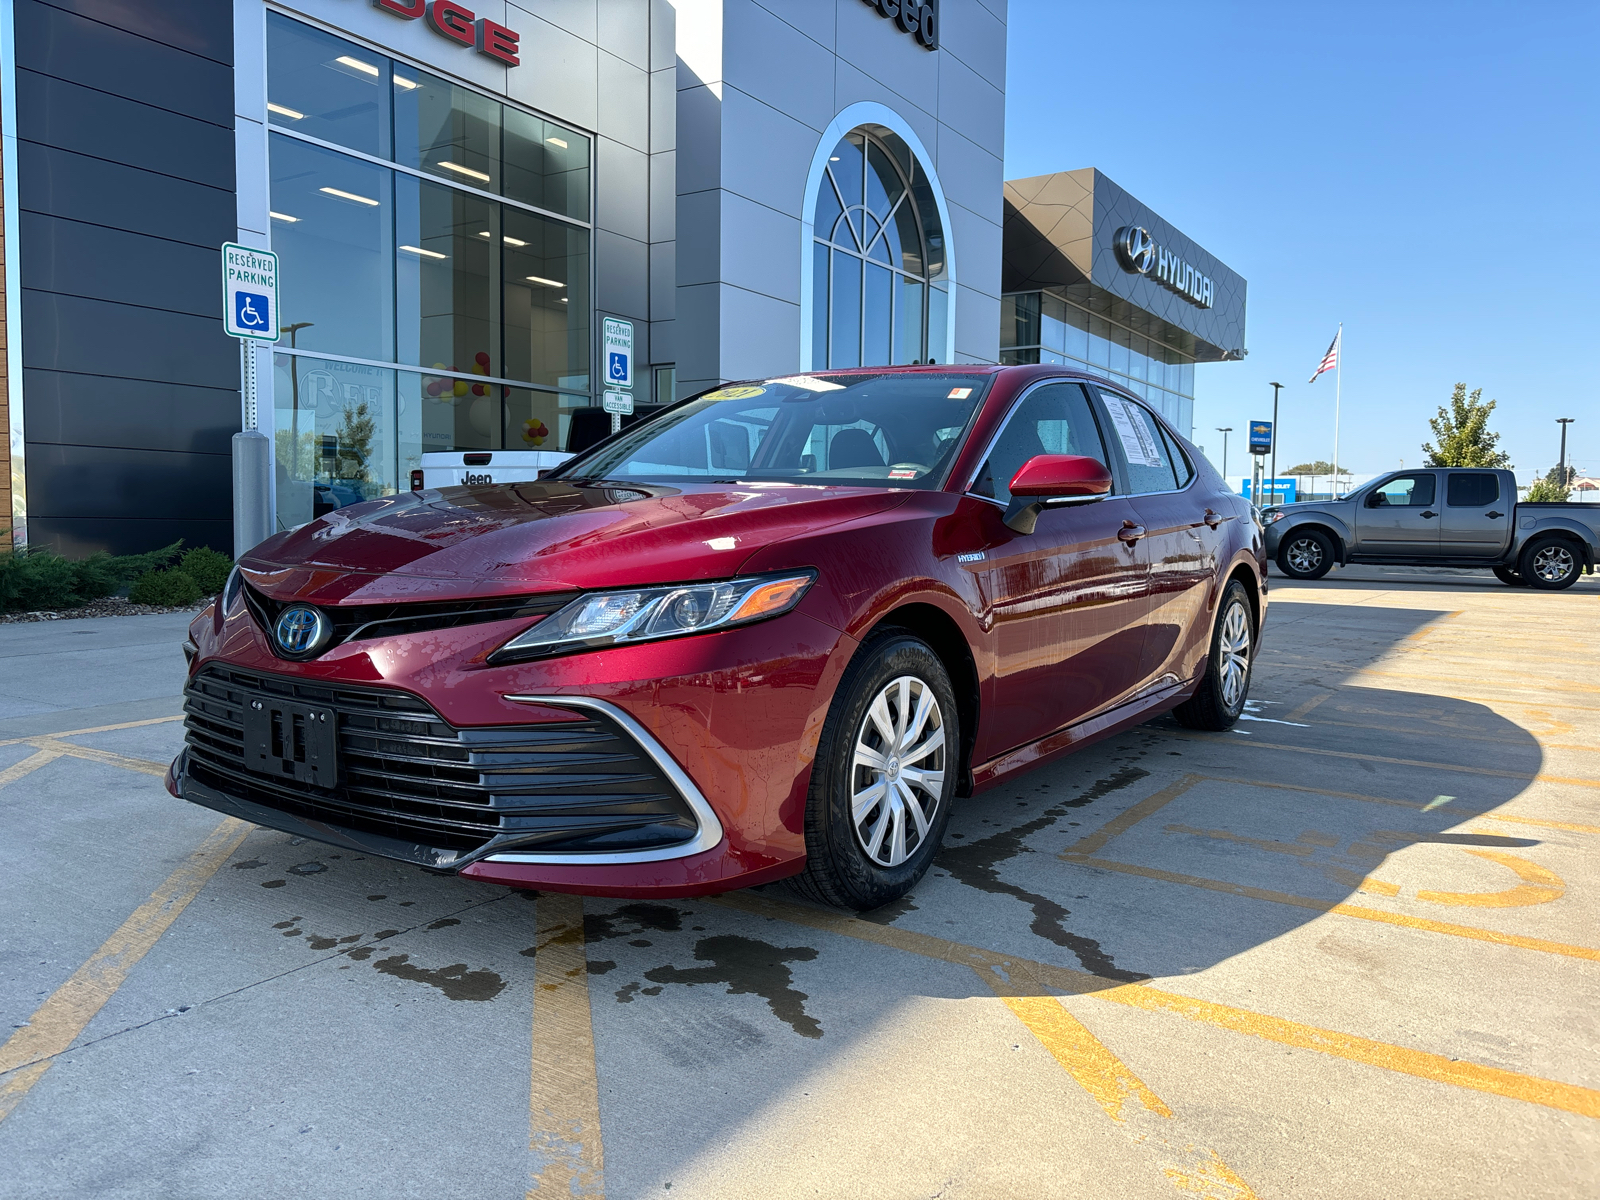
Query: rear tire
(1509,577)
(1221,697)
(1549,563)
(1305,554)
(884,777)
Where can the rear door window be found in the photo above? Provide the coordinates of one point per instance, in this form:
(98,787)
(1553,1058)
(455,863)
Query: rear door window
(1144,449)
(1471,489)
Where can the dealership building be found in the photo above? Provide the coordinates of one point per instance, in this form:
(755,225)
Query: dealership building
(466,197)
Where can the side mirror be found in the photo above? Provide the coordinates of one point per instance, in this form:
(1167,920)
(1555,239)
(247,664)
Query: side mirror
(1375,499)
(1053,478)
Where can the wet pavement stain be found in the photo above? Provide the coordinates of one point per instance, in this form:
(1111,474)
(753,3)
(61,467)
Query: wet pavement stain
(274,882)
(361,953)
(976,865)
(444,923)
(308,868)
(455,981)
(632,920)
(602,967)
(625,993)
(748,967)
(249,864)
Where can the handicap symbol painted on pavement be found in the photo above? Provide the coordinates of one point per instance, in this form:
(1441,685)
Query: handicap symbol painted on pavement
(250,310)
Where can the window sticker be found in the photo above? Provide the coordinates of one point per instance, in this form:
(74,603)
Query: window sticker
(735,393)
(903,473)
(959,393)
(1137,441)
(808,383)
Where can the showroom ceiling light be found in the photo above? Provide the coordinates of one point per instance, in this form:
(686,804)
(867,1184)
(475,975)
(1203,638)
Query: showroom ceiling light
(467,171)
(284,111)
(422,252)
(351,196)
(510,241)
(408,84)
(559,143)
(555,283)
(355,64)
(278,216)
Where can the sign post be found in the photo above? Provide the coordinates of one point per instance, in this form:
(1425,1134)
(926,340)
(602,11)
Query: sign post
(617,357)
(250,313)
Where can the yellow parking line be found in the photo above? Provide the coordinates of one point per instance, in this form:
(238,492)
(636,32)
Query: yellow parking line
(144,766)
(1340,909)
(1541,886)
(564,1095)
(1417,1063)
(28,765)
(1569,826)
(56,1024)
(93,729)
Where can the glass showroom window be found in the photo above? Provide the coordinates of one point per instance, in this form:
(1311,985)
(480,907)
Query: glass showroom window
(421,224)
(879,283)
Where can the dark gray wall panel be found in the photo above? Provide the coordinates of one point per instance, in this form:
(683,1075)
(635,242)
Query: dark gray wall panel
(97,481)
(57,113)
(62,44)
(112,264)
(79,537)
(134,413)
(92,337)
(92,190)
(202,27)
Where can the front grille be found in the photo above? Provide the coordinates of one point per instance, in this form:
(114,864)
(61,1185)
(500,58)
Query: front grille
(355,622)
(404,773)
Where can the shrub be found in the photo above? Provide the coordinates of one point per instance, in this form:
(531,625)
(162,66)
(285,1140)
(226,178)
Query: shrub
(33,578)
(207,568)
(170,587)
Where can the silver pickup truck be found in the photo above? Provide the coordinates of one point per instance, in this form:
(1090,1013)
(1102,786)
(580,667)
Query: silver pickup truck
(1438,517)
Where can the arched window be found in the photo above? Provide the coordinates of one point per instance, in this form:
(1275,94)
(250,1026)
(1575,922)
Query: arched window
(879,284)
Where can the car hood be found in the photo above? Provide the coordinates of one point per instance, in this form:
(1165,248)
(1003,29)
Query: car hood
(549,536)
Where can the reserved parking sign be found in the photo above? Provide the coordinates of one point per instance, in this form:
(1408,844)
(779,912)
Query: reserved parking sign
(250,292)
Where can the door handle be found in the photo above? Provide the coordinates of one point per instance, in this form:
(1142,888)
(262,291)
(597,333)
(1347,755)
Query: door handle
(1430,514)
(1130,533)
(1494,514)
(1212,519)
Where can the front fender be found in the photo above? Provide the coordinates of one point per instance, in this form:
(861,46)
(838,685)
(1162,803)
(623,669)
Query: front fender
(1322,519)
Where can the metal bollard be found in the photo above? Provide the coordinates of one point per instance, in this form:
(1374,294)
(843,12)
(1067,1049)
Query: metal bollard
(252,475)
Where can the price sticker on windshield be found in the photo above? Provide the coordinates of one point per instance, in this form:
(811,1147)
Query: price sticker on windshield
(735,393)
(959,393)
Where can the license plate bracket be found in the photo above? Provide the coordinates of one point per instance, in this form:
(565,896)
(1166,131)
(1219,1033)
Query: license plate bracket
(286,740)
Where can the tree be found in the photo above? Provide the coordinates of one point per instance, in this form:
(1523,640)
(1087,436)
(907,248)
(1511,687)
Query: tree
(1546,491)
(1463,433)
(1316,468)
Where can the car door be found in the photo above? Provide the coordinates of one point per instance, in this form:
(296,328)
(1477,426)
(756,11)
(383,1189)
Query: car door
(1066,602)
(1476,519)
(1181,547)
(1398,518)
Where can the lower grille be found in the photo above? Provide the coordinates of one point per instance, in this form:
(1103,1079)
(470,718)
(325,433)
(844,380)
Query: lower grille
(404,773)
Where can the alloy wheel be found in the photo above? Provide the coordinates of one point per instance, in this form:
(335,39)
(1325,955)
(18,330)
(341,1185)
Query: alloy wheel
(1233,646)
(897,771)
(1553,563)
(1305,555)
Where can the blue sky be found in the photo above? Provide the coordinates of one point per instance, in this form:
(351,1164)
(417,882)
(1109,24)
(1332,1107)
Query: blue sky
(1429,174)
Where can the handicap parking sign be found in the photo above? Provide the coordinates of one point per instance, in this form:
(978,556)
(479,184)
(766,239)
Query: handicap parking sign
(250,292)
(617,336)
(251,311)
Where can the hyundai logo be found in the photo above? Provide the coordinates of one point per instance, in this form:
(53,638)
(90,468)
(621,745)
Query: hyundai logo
(301,630)
(1136,249)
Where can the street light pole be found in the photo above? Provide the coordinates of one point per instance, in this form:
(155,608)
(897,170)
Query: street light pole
(1562,473)
(1224,430)
(1276,388)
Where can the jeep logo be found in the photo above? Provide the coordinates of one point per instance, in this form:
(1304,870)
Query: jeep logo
(469,477)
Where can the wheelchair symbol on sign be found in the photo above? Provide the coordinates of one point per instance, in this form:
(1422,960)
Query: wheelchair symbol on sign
(616,368)
(250,310)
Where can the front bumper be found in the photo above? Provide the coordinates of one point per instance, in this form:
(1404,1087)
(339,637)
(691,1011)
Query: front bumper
(718,732)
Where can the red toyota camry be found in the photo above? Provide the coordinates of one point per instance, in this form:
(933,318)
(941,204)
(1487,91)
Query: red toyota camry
(779,629)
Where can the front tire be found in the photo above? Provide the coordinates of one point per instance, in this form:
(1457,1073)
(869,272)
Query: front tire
(1549,564)
(1221,697)
(1305,554)
(884,777)
(1509,577)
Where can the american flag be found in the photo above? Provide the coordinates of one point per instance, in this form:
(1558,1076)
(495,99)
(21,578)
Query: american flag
(1330,360)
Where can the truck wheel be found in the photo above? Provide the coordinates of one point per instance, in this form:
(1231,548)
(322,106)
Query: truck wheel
(1305,554)
(884,777)
(1549,563)
(1217,703)
(1509,577)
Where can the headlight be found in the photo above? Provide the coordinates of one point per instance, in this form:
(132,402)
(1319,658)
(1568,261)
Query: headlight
(230,591)
(1271,518)
(601,619)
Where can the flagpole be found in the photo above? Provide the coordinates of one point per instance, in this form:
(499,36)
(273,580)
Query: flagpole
(1338,379)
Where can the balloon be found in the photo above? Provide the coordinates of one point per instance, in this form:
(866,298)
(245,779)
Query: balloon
(482,359)
(461,387)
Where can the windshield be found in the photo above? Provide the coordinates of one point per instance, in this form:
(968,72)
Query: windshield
(896,430)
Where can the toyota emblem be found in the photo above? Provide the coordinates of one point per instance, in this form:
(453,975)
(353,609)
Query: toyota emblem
(1136,249)
(301,630)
